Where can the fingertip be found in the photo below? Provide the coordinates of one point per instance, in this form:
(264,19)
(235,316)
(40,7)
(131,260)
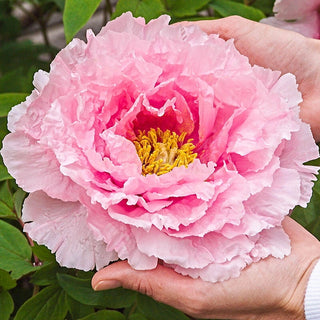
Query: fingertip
(106,284)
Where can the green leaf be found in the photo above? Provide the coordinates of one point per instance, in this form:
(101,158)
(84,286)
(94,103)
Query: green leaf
(60,4)
(50,304)
(185,8)
(310,217)
(80,290)
(158,311)
(18,199)
(4,175)
(6,282)
(43,253)
(6,305)
(6,201)
(149,9)
(15,252)
(77,309)
(228,8)
(265,6)
(76,14)
(8,100)
(24,55)
(315,162)
(137,316)
(105,315)
(46,275)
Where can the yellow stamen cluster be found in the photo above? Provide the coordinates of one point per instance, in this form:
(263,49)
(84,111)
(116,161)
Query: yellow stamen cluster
(160,151)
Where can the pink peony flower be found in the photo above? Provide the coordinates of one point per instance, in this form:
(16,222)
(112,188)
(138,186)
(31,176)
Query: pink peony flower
(160,142)
(303,16)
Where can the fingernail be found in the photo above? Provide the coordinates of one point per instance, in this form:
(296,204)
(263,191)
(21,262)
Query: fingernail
(107,284)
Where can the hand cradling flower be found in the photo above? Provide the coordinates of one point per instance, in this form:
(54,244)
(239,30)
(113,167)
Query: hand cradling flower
(160,142)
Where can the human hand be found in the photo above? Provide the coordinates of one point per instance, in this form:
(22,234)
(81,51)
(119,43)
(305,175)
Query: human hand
(269,289)
(277,49)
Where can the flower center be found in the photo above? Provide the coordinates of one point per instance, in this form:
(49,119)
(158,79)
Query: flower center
(161,151)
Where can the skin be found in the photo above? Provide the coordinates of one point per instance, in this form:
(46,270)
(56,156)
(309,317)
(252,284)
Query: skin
(271,288)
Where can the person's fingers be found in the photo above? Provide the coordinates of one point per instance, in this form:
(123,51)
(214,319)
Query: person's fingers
(162,283)
(264,45)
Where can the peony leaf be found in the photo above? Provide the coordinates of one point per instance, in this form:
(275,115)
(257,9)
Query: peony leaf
(105,314)
(137,316)
(6,202)
(6,282)
(45,276)
(158,311)
(6,305)
(265,6)
(76,14)
(149,9)
(310,217)
(228,8)
(80,290)
(182,8)
(60,4)
(43,253)
(15,252)
(77,309)
(4,175)
(9,100)
(18,199)
(50,304)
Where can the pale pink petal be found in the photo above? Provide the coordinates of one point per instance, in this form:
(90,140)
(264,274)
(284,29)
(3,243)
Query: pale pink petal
(35,167)
(52,223)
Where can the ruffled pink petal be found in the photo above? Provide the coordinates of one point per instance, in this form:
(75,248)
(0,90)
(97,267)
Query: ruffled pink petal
(119,238)
(184,252)
(52,222)
(36,168)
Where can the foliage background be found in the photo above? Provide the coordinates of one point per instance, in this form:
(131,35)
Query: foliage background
(32,285)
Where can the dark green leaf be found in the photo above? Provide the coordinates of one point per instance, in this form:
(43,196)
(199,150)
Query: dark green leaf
(6,201)
(17,80)
(80,290)
(125,6)
(315,162)
(310,217)
(18,199)
(8,100)
(6,305)
(137,316)
(149,9)
(264,5)
(43,253)
(15,252)
(46,275)
(77,309)
(158,311)
(6,282)
(25,55)
(4,175)
(76,14)
(228,8)
(105,315)
(183,8)
(60,4)
(49,304)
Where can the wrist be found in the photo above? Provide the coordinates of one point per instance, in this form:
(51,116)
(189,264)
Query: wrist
(295,306)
